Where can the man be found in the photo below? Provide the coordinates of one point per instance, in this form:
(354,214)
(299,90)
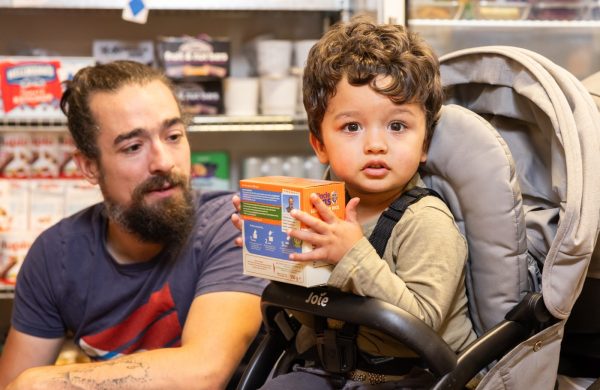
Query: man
(152,270)
(290,206)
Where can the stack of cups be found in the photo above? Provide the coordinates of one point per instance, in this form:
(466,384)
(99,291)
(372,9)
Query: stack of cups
(278,90)
(240,96)
(301,49)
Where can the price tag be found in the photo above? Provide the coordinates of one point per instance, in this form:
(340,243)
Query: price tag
(135,11)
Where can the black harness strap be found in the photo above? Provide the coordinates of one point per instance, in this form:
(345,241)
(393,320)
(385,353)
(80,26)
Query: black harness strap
(391,216)
(337,348)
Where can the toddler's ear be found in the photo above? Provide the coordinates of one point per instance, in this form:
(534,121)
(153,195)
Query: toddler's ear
(319,149)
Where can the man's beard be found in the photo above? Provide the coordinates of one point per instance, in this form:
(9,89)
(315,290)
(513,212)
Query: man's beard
(168,221)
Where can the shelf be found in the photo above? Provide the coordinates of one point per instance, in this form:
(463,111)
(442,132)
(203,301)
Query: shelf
(7,291)
(249,123)
(198,124)
(209,5)
(507,24)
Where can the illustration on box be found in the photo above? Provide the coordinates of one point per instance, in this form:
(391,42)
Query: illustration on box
(266,203)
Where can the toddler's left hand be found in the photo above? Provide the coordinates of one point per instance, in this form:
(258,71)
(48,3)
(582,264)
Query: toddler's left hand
(332,237)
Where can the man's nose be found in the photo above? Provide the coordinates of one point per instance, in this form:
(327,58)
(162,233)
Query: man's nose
(161,158)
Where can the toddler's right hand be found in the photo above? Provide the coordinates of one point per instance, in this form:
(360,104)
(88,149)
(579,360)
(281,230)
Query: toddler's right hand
(235,218)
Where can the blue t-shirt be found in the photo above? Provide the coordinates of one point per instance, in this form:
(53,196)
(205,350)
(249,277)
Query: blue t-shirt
(69,281)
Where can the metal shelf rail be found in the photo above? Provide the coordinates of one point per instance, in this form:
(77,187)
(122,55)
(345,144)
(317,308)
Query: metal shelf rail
(209,5)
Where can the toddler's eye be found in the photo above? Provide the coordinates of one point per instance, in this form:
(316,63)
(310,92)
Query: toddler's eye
(352,127)
(397,126)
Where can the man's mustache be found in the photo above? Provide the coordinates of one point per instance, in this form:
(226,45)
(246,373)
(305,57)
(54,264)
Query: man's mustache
(158,182)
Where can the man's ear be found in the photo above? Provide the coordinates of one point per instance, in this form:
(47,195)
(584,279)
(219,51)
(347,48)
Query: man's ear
(319,148)
(87,166)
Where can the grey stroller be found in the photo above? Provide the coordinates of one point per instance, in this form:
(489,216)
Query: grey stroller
(518,179)
(579,366)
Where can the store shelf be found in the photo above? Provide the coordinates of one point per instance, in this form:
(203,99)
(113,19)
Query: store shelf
(577,25)
(248,123)
(198,124)
(31,124)
(217,5)
(7,291)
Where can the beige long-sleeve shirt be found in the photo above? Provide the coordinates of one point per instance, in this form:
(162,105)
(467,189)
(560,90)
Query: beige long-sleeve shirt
(422,272)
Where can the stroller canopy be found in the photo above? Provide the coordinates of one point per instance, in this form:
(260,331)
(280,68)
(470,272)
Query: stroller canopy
(551,127)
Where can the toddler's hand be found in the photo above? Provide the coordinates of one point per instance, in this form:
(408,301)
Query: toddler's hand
(332,237)
(235,218)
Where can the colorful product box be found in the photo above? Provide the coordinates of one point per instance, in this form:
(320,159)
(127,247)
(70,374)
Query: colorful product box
(31,87)
(265,210)
(13,249)
(201,97)
(210,170)
(106,51)
(203,57)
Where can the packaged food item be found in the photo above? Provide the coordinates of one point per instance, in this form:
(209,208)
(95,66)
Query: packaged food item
(14,205)
(435,9)
(13,249)
(47,198)
(200,98)
(201,56)
(210,170)
(559,10)
(45,155)
(80,194)
(112,50)
(265,211)
(15,155)
(501,10)
(31,87)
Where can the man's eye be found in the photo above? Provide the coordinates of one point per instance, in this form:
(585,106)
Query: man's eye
(175,137)
(397,126)
(352,127)
(132,148)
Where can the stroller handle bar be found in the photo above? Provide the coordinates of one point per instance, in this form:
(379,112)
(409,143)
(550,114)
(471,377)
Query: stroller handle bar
(365,311)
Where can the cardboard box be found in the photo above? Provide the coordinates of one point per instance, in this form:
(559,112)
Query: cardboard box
(266,203)
(31,87)
(201,97)
(198,57)
(210,170)
(106,51)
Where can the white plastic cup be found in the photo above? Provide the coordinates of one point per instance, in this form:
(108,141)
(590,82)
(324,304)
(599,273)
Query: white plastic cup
(294,166)
(273,57)
(278,95)
(313,168)
(272,166)
(241,96)
(252,167)
(301,49)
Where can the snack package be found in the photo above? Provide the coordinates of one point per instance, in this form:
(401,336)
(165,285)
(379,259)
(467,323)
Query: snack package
(265,211)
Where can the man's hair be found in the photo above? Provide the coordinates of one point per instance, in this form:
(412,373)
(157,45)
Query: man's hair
(361,51)
(100,78)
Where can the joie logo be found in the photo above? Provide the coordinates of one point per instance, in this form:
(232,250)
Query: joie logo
(319,300)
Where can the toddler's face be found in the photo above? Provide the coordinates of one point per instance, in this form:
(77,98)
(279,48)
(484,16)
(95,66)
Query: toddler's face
(372,144)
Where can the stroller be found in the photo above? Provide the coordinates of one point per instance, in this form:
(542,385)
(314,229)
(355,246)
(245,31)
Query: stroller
(579,365)
(529,210)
